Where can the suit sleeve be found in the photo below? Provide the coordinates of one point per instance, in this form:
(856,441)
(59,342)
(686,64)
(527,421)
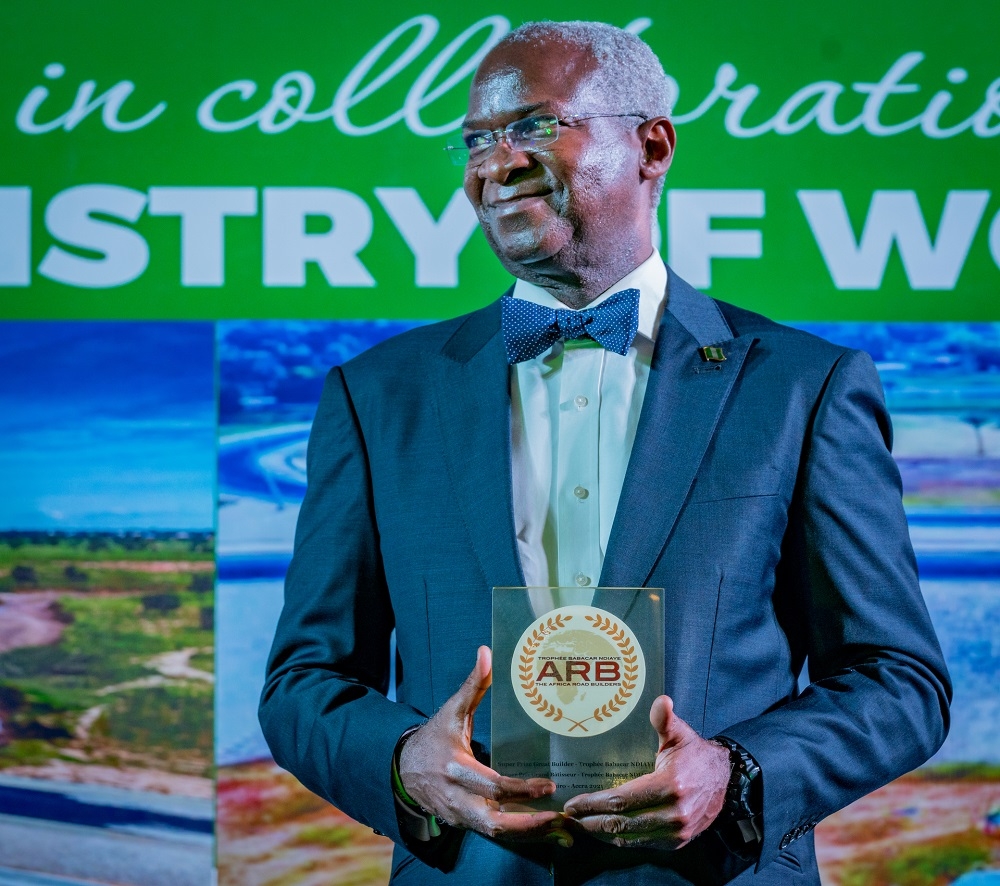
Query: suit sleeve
(323,709)
(877,704)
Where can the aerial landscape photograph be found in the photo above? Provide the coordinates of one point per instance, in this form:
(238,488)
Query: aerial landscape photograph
(107,574)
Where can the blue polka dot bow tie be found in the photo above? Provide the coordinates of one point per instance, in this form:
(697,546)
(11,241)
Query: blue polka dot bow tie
(530,329)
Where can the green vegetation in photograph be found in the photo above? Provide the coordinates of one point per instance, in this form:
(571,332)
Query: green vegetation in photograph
(934,863)
(128,681)
(160,719)
(60,575)
(324,835)
(107,639)
(20,546)
(973,773)
(85,561)
(203,661)
(28,752)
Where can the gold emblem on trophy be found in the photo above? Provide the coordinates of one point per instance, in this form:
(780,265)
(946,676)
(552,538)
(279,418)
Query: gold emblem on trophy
(579,671)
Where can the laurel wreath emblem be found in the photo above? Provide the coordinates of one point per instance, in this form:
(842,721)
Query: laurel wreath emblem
(527,666)
(532,692)
(629,659)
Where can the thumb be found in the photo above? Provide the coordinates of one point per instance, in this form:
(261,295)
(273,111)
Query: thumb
(671,730)
(471,692)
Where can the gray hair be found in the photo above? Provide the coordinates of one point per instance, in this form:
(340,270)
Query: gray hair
(629,75)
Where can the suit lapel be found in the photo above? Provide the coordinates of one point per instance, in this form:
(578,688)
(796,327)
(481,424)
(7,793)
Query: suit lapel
(473,403)
(684,398)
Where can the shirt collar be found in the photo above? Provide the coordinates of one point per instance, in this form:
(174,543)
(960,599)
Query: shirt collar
(650,278)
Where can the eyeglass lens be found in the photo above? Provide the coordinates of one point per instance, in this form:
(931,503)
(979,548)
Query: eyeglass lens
(521,135)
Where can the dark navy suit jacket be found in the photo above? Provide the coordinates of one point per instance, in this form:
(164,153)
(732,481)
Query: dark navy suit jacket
(761,495)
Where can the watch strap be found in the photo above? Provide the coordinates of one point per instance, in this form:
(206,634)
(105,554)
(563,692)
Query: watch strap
(741,822)
(414,820)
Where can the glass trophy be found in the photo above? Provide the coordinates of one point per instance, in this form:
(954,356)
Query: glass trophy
(575,671)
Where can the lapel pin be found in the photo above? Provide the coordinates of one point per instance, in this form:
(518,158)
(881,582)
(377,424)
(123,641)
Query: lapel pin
(712,355)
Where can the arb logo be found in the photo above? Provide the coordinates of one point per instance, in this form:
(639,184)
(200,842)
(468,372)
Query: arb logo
(579,671)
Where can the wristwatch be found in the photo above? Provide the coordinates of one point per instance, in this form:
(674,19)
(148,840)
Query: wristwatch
(740,824)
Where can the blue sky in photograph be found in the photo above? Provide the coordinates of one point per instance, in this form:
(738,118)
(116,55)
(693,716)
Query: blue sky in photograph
(107,425)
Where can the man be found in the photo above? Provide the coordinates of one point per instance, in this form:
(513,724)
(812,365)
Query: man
(741,466)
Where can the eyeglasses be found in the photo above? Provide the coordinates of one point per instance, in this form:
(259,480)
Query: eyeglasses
(530,134)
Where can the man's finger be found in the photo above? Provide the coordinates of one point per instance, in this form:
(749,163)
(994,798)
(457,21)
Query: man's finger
(671,730)
(643,793)
(519,826)
(471,692)
(651,825)
(479,779)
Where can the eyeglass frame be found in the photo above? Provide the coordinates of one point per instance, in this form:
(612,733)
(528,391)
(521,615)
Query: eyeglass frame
(461,154)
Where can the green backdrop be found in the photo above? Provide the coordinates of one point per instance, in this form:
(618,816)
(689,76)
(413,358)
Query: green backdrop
(222,160)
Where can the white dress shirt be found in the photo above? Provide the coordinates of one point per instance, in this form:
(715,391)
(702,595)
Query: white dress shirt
(574,411)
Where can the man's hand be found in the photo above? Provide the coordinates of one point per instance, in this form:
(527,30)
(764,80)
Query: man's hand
(673,804)
(439,771)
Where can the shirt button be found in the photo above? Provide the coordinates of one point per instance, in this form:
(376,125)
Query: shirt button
(582,580)
(581,492)
(581,401)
